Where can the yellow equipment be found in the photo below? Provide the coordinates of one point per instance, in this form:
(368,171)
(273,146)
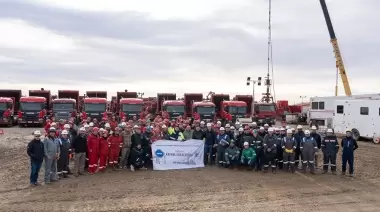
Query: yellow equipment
(338,56)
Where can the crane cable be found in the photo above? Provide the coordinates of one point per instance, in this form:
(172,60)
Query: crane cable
(270,49)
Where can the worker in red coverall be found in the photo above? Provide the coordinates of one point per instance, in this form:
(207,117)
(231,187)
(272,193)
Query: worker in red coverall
(113,123)
(93,150)
(47,126)
(115,143)
(103,150)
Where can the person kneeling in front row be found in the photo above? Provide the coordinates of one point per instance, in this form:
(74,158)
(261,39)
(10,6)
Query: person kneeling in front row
(137,158)
(232,156)
(248,156)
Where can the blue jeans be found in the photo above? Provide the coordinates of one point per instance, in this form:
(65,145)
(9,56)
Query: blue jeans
(35,167)
(208,153)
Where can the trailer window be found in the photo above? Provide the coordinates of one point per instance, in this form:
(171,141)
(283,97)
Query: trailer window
(364,111)
(314,105)
(321,105)
(339,109)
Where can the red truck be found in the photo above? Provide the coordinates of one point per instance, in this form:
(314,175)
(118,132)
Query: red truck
(232,110)
(43,93)
(124,94)
(161,97)
(173,108)
(130,107)
(247,99)
(32,111)
(204,111)
(94,108)
(189,98)
(8,110)
(97,94)
(66,105)
(265,113)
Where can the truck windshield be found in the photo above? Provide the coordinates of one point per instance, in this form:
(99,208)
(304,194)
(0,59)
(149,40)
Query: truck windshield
(205,110)
(131,108)
(95,107)
(266,108)
(3,106)
(31,106)
(237,110)
(63,106)
(175,108)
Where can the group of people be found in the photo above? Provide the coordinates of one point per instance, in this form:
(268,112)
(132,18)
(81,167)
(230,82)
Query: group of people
(127,145)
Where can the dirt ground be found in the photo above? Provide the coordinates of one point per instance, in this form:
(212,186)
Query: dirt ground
(207,189)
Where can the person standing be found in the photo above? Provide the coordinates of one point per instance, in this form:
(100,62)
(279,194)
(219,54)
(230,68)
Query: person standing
(103,150)
(115,143)
(79,147)
(52,151)
(308,148)
(330,147)
(126,147)
(36,153)
(289,145)
(93,150)
(349,145)
(270,150)
(63,161)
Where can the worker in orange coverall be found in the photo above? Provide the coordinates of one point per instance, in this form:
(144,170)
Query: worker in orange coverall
(93,150)
(115,144)
(103,150)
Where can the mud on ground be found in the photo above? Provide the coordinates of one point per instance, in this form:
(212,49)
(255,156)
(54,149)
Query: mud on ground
(208,189)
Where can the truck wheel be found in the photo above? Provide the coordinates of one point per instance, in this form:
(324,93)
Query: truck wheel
(355,134)
(376,140)
(10,124)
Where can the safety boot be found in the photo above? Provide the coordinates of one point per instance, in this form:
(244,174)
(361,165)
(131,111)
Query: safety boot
(324,172)
(286,167)
(293,168)
(312,168)
(333,172)
(304,167)
(265,169)
(274,170)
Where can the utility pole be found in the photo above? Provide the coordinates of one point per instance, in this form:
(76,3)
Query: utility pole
(249,81)
(302,97)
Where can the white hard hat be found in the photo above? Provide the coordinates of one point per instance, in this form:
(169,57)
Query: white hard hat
(219,122)
(136,126)
(66,126)
(246,144)
(202,122)
(53,124)
(237,123)
(107,125)
(314,128)
(254,123)
(228,125)
(91,124)
(266,125)
(287,127)
(82,129)
(262,128)
(329,130)
(241,129)
(307,132)
(293,129)
(208,125)
(122,123)
(276,129)
(164,126)
(289,131)
(102,130)
(232,128)
(64,132)
(270,129)
(37,132)
(222,128)
(299,127)
(86,126)
(282,129)
(52,128)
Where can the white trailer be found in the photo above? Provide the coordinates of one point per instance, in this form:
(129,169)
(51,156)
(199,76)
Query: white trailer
(361,116)
(321,109)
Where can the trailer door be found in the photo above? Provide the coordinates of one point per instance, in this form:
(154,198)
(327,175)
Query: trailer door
(339,118)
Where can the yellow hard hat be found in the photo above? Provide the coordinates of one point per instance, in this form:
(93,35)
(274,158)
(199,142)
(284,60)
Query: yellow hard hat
(348,130)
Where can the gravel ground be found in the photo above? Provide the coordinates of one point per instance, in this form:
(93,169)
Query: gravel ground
(208,189)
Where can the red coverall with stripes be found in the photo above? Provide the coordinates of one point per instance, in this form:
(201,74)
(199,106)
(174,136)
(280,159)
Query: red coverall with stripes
(115,143)
(93,152)
(103,152)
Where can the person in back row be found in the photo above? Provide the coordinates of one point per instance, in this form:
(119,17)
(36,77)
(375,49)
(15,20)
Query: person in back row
(36,154)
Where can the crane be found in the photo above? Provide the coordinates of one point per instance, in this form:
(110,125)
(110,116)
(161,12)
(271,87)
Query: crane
(338,56)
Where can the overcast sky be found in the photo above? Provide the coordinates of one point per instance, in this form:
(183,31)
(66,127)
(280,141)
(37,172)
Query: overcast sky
(184,46)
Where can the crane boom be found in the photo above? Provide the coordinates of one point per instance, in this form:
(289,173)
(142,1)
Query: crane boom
(338,56)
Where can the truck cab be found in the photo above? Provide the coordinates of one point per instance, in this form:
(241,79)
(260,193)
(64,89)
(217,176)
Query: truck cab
(265,113)
(6,111)
(130,107)
(173,108)
(64,108)
(232,110)
(94,108)
(204,111)
(32,111)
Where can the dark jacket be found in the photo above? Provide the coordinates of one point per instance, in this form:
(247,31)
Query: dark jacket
(200,135)
(136,139)
(79,144)
(317,138)
(349,145)
(210,137)
(35,150)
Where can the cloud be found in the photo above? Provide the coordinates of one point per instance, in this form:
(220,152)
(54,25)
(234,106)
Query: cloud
(185,46)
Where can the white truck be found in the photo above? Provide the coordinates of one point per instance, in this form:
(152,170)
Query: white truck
(321,109)
(361,116)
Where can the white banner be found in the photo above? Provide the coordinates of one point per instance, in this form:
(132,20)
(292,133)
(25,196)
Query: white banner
(169,155)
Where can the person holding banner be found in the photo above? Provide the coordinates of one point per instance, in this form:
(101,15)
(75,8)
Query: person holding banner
(232,156)
(176,135)
(222,140)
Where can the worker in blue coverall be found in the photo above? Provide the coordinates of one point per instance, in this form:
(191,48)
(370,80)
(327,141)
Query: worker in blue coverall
(349,145)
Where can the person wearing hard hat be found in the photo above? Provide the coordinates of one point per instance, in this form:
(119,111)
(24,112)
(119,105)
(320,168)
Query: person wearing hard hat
(254,125)
(126,135)
(248,156)
(298,135)
(137,136)
(266,127)
(93,150)
(262,132)
(308,148)
(146,143)
(137,157)
(198,134)
(289,145)
(280,134)
(232,156)
(237,125)
(257,145)
(51,148)
(239,138)
(349,145)
(210,144)
(330,147)
(222,140)
(270,150)
(79,147)
(115,143)
(65,148)
(318,139)
(103,149)
(176,135)
(36,154)
(164,135)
